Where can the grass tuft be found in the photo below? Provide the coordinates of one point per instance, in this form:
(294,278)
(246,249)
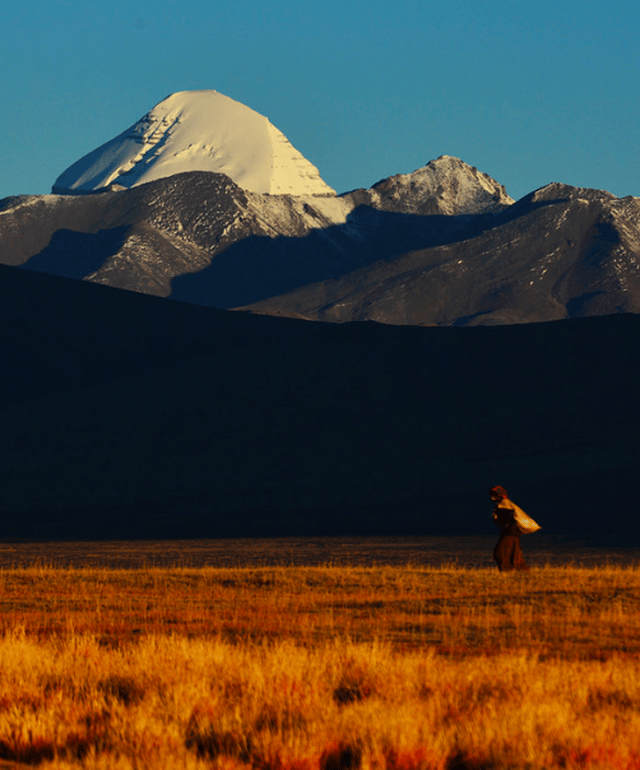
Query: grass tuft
(320,668)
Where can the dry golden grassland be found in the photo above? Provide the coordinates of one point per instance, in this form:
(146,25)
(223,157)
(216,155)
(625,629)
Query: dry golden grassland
(320,668)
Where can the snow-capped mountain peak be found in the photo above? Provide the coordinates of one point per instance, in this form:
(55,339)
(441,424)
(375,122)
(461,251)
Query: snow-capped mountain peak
(198,131)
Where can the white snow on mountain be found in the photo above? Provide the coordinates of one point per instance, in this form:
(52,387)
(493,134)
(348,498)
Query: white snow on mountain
(198,131)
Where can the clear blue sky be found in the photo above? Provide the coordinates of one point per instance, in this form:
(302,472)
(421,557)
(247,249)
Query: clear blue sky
(530,93)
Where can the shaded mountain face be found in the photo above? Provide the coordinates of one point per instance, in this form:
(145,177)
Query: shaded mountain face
(560,252)
(125,415)
(442,246)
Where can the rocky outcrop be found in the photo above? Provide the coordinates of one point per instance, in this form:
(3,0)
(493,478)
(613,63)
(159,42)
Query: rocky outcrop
(445,186)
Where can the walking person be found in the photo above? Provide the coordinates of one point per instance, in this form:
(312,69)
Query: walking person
(512,521)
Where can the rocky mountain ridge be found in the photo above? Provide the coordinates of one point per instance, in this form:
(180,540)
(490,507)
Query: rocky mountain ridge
(560,252)
(444,245)
(445,186)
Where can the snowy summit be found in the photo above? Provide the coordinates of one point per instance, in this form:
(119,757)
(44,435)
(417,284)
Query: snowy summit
(197,131)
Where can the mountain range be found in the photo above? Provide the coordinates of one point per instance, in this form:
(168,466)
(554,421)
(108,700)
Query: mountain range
(125,414)
(183,205)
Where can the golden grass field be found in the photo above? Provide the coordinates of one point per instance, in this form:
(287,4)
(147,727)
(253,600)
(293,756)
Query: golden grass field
(320,667)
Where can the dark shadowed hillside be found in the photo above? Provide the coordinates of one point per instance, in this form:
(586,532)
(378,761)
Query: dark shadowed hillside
(127,415)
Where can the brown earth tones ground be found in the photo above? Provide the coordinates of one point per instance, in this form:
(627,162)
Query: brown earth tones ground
(468,552)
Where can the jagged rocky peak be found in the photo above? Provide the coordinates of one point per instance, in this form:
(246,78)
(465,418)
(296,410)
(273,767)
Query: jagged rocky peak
(197,131)
(445,185)
(556,192)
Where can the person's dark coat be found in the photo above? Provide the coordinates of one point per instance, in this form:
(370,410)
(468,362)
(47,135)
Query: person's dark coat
(507,553)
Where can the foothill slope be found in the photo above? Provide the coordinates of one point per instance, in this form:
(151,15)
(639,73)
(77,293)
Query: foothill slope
(126,415)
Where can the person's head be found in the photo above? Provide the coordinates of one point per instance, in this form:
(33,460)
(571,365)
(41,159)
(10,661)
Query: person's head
(498,493)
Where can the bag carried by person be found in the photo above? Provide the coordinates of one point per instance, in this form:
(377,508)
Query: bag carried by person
(525,523)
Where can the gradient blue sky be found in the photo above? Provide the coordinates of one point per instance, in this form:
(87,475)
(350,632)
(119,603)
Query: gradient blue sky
(530,93)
